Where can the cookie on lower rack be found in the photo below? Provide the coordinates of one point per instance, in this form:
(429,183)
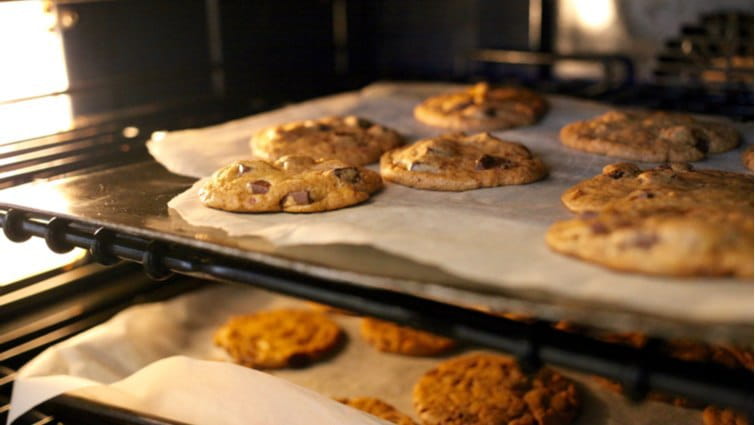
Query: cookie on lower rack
(278,338)
(352,140)
(456,162)
(491,389)
(716,416)
(379,408)
(290,184)
(392,338)
(482,108)
(650,136)
(747,158)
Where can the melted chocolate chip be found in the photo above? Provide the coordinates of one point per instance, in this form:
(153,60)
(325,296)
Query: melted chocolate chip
(363,123)
(299,197)
(645,241)
(489,112)
(324,127)
(486,162)
(599,228)
(616,174)
(701,143)
(259,187)
(243,169)
(645,195)
(348,175)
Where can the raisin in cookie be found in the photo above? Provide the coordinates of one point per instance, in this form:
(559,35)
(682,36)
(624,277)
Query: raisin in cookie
(482,108)
(650,136)
(291,184)
(490,389)
(393,338)
(456,162)
(278,338)
(352,140)
(379,408)
(675,184)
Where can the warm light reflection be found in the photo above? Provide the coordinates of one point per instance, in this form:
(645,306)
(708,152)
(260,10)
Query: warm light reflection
(32,258)
(594,14)
(32,64)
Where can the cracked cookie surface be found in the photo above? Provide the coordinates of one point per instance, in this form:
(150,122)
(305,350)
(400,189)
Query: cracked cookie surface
(376,407)
(278,338)
(491,389)
(290,184)
(670,220)
(650,136)
(393,338)
(482,108)
(351,139)
(456,162)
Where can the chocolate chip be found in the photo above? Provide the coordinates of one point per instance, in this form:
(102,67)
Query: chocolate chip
(701,143)
(259,187)
(489,112)
(645,241)
(299,197)
(349,175)
(616,174)
(645,195)
(486,162)
(363,123)
(599,228)
(324,127)
(584,215)
(243,169)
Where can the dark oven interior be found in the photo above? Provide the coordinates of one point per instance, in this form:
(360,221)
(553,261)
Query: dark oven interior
(133,67)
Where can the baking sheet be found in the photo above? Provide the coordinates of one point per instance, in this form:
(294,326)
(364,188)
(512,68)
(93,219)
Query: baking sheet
(159,358)
(493,235)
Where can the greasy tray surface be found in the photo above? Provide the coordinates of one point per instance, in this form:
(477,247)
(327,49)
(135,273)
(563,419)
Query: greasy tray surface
(134,199)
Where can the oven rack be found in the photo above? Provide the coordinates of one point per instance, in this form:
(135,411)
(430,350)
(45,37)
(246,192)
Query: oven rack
(533,343)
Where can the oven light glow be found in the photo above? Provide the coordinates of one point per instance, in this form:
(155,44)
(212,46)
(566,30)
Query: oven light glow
(595,14)
(31,258)
(33,64)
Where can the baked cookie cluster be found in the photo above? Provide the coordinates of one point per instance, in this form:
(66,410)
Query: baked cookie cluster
(669,220)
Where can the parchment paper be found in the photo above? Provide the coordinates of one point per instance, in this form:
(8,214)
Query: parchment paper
(135,354)
(493,235)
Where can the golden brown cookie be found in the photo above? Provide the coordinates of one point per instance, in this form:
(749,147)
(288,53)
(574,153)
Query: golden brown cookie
(490,389)
(482,108)
(379,408)
(676,184)
(456,162)
(666,241)
(650,136)
(290,184)
(278,338)
(713,415)
(393,338)
(669,220)
(352,140)
(747,158)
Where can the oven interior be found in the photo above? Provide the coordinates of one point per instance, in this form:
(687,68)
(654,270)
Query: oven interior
(133,68)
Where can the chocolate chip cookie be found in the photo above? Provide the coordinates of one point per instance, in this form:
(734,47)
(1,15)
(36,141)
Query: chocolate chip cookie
(650,136)
(747,158)
(352,140)
(393,338)
(456,162)
(490,389)
(716,416)
(482,108)
(669,220)
(278,338)
(291,184)
(379,408)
